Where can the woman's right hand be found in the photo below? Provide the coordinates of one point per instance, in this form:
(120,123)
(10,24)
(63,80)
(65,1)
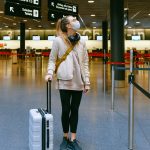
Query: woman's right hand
(48,77)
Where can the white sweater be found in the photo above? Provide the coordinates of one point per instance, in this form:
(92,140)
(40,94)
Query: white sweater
(79,55)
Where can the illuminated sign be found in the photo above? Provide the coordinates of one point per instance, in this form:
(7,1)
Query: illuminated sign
(54,15)
(59,9)
(27,2)
(15,9)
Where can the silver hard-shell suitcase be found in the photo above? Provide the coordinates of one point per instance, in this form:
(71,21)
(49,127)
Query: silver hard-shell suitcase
(41,126)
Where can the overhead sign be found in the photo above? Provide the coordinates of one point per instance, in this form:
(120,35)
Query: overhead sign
(15,9)
(63,6)
(58,9)
(54,15)
(27,2)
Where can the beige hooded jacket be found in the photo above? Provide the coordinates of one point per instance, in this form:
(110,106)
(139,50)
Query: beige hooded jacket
(79,55)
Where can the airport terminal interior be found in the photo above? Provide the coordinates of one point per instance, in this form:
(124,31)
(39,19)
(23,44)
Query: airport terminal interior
(23,87)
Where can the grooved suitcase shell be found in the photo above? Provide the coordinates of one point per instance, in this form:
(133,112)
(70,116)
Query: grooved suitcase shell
(35,130)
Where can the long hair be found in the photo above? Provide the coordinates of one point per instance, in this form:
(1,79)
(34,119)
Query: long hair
(61,25)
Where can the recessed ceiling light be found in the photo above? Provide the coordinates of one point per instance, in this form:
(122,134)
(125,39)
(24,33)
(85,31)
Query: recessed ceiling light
(129,27)
(8,18)
(90,1)
(25,20)
(93,15)
(93,22)
(149,14)
(29,28)
(14,24)
(36,20)
(6,26)
(138,22)
(52,23)
(126,8)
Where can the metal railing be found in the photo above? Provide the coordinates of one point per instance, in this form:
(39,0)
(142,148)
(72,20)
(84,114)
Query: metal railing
(131,79)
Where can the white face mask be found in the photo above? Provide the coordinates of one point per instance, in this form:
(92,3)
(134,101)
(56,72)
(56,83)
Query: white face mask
(75,25)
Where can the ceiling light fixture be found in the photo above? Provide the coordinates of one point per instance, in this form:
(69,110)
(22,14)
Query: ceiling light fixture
(149,14)
(138,22)
(93,15)
(29,28)
(93,22)
(8,18)
(90,1)
(36,20)
(126,8)
(14,24)
(1,12)
(25,20)
(52,23)
(94,27)
(6,26)
(39,26)
(129,27)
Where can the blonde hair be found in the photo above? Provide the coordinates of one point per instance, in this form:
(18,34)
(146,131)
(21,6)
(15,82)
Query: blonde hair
(61,25)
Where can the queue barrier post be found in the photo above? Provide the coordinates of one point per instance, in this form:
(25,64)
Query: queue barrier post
(14,57)
(131,106)
(149,77)
(104,72)
(113,88)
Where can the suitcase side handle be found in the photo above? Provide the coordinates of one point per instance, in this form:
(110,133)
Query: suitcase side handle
(49,96)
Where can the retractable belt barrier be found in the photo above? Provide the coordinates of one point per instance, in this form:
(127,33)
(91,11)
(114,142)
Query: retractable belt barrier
(126,55)
(23,54)
(93,54)
(131,79)
(141,89)
(131,108)
(123,68)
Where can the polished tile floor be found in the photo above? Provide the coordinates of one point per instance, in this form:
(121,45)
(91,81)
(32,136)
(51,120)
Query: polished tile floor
(22,87)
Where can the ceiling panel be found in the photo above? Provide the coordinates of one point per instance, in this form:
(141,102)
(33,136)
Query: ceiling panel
(138,11)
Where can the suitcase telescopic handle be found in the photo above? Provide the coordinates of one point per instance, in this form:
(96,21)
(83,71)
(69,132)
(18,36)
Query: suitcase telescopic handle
(49,96)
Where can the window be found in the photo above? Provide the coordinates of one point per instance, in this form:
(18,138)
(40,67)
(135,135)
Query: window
(6,37)
(51,37)
(35,37)
(18,37)
(85,37)
(99,38)
(136,37)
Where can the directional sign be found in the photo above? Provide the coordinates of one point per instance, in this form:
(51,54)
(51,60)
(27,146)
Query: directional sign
(63,6)
(27,2)
(54,15)
(14,9)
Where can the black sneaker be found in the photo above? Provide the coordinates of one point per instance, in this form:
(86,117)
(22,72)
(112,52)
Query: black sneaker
(64,144)
(74,145)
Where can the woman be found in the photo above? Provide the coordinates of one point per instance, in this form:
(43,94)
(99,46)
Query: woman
(72,85)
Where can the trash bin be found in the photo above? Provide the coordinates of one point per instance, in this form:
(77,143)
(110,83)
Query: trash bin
(14,57)
(38,59)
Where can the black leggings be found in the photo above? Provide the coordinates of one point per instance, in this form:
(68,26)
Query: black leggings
(70,101)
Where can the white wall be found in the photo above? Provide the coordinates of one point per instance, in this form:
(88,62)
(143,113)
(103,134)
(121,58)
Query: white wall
(91,44)
(14,44)
(139,45)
